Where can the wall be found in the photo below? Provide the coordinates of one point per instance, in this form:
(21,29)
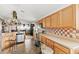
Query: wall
(0,28)
(69,34)
(77,21)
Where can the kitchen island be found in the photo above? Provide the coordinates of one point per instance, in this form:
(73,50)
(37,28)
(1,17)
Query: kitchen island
(8,40)
(9,44)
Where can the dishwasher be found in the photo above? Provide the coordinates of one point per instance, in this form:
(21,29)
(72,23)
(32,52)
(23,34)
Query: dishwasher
(45,49)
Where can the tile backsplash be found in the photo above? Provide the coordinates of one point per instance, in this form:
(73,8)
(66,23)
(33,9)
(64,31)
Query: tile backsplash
(65,32)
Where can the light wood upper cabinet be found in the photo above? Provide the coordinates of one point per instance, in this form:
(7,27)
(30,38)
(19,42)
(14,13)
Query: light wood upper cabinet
(52,21)
(40,21)
(44,23)
(65,18)
(68,15)
(47,22)
(55,20)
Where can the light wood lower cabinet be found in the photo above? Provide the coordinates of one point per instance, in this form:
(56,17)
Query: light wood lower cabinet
(50,43)
(47,41)
(43,39)
(58,49)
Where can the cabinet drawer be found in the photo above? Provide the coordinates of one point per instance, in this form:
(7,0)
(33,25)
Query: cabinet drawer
(58,51)
(64,49)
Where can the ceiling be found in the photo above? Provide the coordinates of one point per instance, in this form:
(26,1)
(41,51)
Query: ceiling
(28,12)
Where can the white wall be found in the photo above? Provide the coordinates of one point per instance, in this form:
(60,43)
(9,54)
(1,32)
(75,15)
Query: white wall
(0,30)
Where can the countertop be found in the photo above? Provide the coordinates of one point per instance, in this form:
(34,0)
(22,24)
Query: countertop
(64,42)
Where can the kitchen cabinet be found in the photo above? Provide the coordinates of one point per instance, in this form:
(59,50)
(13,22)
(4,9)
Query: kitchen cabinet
(44,23)
(8,40)
(43,39)
(59,49)
(55,20)
(13,35)
(47,22)
(64,18)
(49,43)
(40,21)
(68,17)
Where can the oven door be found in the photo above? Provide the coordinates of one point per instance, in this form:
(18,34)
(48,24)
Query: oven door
(20,37)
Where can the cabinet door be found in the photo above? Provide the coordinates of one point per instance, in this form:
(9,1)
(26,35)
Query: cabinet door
(43,39)
(52,21)
(55,20)
(61,49)
(48,22)
(49,43)
(68,17)
(44,23)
